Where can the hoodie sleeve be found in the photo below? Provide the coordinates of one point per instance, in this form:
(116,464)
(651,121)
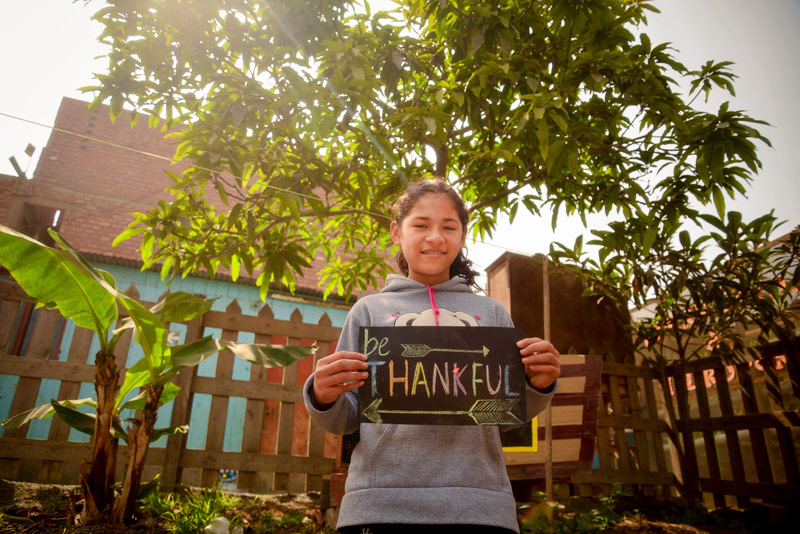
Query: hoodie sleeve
(342,416)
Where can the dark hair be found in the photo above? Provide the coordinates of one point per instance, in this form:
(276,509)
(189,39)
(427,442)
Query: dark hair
(461,266)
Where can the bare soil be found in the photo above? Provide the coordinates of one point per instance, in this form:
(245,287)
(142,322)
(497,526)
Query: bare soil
(28,508)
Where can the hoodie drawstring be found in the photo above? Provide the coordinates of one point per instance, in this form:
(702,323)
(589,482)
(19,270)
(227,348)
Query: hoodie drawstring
(434,306)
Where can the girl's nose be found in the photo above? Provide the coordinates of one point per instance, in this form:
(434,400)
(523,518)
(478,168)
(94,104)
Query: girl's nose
(435,236)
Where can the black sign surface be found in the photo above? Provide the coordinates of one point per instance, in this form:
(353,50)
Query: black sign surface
(442,375)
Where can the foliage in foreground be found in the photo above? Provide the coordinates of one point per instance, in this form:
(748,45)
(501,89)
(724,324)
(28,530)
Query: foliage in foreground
(542,517)
(616,512)
(299,121)
(62,279)
(191,511)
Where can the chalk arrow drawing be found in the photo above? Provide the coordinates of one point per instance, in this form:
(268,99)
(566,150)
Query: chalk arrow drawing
(483,412)
(420,351)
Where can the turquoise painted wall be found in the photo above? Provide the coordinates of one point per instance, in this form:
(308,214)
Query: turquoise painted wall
(151,287)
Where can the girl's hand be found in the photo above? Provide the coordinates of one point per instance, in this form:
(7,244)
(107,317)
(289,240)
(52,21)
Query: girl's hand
(541,360)
(338,373)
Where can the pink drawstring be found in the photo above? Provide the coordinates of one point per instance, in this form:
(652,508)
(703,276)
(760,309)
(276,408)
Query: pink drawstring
(434,306)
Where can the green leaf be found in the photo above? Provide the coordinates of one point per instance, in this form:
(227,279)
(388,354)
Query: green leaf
(648,239)
(84,422)
(719,201)
(430,123)
(268,355)
(60,279)
(181,307)
(258,354)
(138,375)
(127,234)
(159,432)
(543,135)
(150,333)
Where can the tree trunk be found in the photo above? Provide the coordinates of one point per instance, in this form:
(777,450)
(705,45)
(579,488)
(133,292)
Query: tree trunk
(138,444)
(97,483)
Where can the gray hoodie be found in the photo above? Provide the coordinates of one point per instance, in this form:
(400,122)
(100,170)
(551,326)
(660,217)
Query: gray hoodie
(422,473)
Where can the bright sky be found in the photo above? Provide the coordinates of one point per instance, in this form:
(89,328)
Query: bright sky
(48,50)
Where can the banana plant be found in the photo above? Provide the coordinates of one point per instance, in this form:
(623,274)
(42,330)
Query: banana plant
(62,279)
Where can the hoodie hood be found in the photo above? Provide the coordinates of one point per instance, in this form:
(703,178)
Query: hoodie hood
(396,283)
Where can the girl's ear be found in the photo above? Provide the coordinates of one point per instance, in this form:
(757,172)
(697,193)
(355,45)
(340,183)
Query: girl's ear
(394,231)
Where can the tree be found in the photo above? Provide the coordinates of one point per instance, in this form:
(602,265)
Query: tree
(63,279)
(308,116)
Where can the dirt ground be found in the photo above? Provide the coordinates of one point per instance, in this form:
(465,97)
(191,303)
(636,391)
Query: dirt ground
(27,508)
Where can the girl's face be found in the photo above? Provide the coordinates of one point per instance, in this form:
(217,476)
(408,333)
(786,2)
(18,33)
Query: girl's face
(431,235)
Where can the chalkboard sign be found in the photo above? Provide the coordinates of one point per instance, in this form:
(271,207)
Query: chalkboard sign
(442,375)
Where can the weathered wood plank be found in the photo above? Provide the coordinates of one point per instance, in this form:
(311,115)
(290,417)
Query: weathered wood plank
(689,461)
(57,471)
(620,439)
(757,439)
(254,415)
(224,386)
(286,422)
(316,438)
(657,435)
(171,472)
(9,309)
(787,420)
(709,443)
(218,412)
(28,388)
(637,478)
(625,369)
(55,370)
(271,327)
(10,290)
(731,436)
(216,460)
(778,493)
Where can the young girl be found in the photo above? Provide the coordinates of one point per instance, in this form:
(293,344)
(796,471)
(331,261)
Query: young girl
(405,476)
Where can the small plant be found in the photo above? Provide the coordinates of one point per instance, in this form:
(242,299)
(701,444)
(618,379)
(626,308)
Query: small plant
(543,517)
(191,511)
(269,523)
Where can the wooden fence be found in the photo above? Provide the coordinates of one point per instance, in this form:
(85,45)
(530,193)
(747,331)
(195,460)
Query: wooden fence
(281,448)
(734,438)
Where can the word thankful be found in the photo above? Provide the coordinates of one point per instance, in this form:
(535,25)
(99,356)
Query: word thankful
(442,375)
(479,378)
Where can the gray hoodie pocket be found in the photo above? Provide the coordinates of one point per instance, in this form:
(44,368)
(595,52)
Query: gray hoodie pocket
(408,456)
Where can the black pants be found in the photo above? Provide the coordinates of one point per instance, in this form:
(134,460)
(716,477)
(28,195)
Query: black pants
(402,528)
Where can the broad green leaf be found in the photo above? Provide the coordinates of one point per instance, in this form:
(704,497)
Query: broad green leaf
(150,333)
(138,375)
(84,422)
(169,392)
(45,410)
(180,307)
(268,355)
(60,279)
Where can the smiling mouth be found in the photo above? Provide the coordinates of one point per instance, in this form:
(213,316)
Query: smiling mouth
(433,252)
